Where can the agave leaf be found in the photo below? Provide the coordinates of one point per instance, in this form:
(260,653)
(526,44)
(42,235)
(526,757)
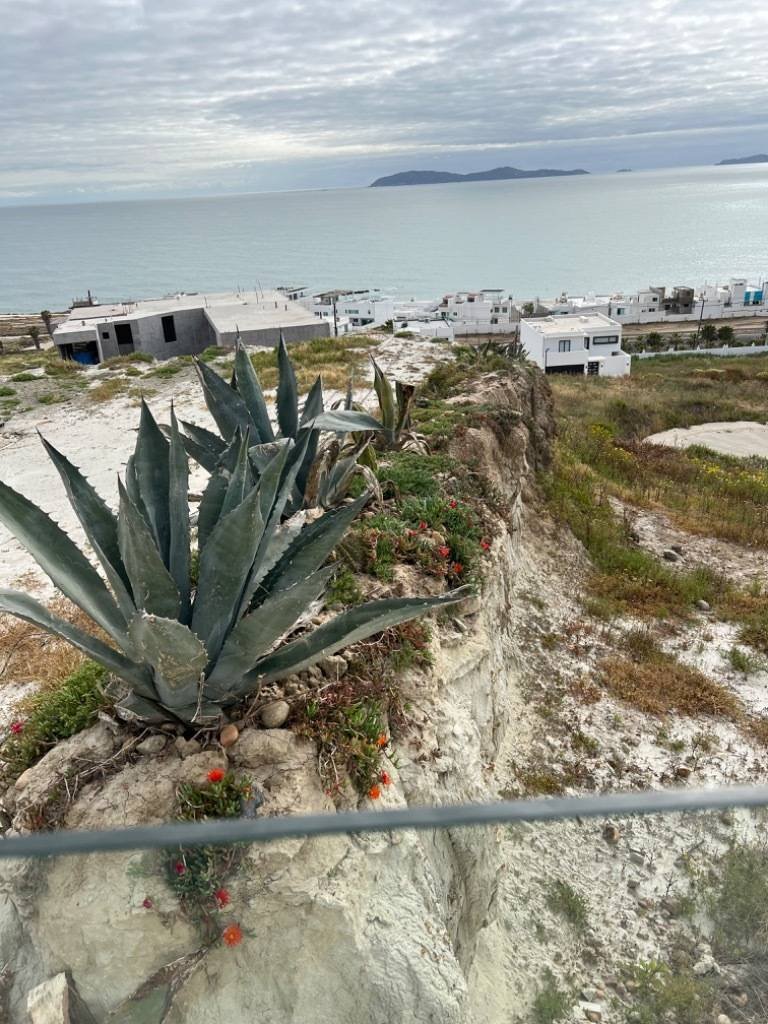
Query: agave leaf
(386,398)
(345,421)
(405,394)
(225,566)
(215,491)
(178,513)
(133,706)
(25,607)
(262,454)
(153,587)
(150,460)
(275,485)
(224,404)
(346,629)
(177,657)
(313,405)
(334,484)
(205,447)
(250,391)
(241,479)
(312,546)
(100,526)
(255,634)
(132,487)
(287,393)
(62,560)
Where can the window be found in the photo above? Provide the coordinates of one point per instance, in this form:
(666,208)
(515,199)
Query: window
(494,319)
(620,311)
(605,339)
(105,334)
(564,345)
(169,328)
(586,341)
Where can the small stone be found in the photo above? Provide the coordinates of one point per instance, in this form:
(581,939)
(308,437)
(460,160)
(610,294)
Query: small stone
(152,745)
(592,1011)
(705,966)
(741,999)
(228,735)
(588,995)
(611,833)
(703,606)
(677,548)
(186,748)
(637,858)
(683,771)
(273,716)
(670,556)
(723,1018)
(333,666)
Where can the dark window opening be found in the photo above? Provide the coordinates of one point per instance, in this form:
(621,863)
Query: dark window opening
(564,346)
(169,328)
(605,339)
(105,335)
(124,336)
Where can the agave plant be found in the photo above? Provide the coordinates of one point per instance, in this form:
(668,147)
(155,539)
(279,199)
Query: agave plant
(240,404)
(186,650)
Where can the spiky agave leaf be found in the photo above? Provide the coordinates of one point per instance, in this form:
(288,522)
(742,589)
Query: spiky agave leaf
(154,590)
(345,629)
(177,657)
(249,388)
(179,554)
(287,393)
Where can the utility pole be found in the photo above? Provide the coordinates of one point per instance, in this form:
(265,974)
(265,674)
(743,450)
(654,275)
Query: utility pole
(698,325)
(335,320)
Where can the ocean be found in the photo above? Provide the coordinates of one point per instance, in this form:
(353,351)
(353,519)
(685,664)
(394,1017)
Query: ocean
(533,237)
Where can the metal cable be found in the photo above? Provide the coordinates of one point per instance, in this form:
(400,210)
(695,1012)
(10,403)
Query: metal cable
(259,830)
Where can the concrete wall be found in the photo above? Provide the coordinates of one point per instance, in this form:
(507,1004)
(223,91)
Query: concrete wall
(193,334)
(723,350)
(269,337)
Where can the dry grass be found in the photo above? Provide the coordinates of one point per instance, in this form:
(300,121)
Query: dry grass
(331,358)
(27,654)
(662,684)
(108,389)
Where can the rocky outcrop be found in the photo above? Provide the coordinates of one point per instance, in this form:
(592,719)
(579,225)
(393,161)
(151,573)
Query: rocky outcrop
(377,928)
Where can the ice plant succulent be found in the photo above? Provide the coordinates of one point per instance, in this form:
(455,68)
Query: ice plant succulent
(232,935)
(187,645)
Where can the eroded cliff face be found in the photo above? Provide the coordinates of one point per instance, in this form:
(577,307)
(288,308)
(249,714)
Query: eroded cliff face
(380,928)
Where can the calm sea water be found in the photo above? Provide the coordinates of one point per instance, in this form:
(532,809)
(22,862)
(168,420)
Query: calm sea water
(534,237)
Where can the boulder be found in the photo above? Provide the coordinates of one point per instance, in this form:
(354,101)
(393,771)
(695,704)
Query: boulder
(56,1001)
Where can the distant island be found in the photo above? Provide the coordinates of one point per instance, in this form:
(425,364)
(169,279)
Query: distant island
(624,170)
(446,177)
(758,158)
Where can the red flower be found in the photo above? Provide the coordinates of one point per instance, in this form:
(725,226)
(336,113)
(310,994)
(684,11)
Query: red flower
(147,904)
(382,740)
(374,792)
(232,935)
(485,544)
(386,778)
(422,525)
(411,533)
(443,551)
(222,897)
(215,774)
(17,727)
(180,868)
(453,503)
(457,568)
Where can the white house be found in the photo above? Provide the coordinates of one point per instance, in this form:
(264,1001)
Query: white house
(183,324)
(577,343)
(348,311)
(488,311)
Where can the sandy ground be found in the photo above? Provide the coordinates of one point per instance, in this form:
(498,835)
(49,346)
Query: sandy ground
(743,437)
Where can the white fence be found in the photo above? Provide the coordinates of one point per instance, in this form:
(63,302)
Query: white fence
(723,350)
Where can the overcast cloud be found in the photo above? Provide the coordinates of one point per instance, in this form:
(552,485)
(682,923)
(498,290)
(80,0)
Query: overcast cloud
(103,98)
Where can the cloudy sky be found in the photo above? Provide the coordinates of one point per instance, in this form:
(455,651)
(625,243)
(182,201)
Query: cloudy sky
(116,98)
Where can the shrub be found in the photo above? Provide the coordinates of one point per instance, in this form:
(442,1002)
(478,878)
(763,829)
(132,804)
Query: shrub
(551,1003)
(563,899)
(23,377)
(5,392)
(56,713)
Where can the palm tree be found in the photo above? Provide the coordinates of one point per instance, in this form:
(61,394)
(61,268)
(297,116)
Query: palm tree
(34,333)
(45,316)
(709,334)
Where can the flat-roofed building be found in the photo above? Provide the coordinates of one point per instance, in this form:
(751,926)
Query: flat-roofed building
(588,343)
(183,324)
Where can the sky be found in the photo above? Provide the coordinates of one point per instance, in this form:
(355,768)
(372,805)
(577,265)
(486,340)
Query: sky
(103,99)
